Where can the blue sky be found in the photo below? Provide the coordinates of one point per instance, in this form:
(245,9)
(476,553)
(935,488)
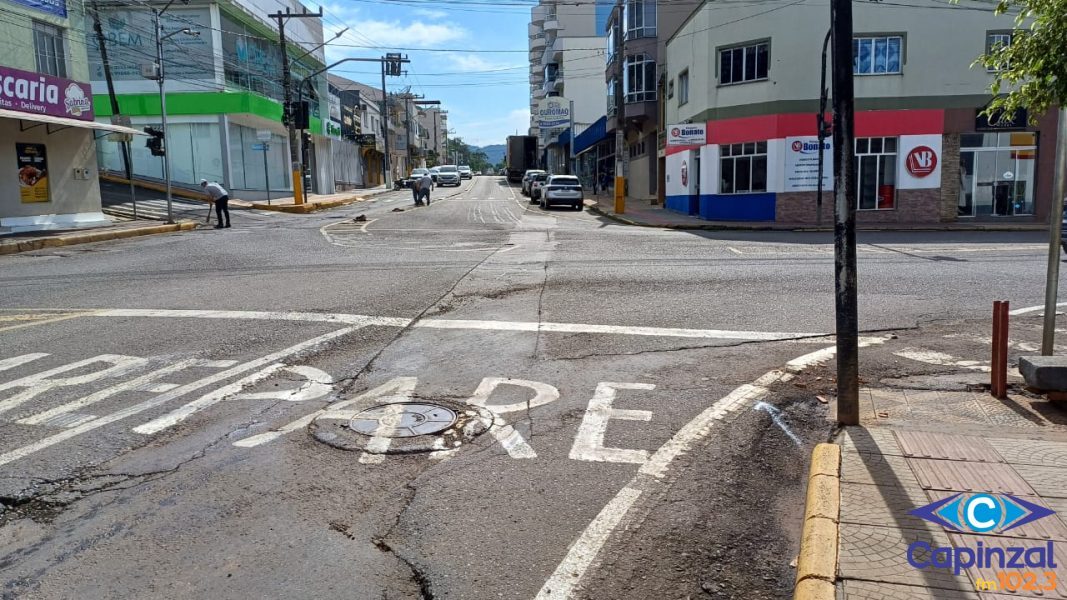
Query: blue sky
(486,94)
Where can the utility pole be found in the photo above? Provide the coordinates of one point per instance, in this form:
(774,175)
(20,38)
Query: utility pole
(101,43)
(845,214)
(160,79)
(287,108)
(1048,334)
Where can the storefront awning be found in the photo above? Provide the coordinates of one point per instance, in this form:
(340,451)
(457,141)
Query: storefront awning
(63,123)
(591,136)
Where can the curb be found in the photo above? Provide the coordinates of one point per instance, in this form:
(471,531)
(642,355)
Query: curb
(156,187)
(310,207)
(805,229)
(15,246)
(817,561)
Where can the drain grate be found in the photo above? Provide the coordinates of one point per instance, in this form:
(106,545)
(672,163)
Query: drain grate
(403,419)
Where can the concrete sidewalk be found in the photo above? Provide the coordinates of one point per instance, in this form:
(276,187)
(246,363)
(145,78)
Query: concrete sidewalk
(917,447)
(36,240)
(645,214)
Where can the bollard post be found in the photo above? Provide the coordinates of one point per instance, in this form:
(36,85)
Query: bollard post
(999,367)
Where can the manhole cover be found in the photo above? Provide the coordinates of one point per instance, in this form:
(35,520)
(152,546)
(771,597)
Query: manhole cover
(403,419)
(402,427)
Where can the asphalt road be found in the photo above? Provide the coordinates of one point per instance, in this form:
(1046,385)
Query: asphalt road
(179,413)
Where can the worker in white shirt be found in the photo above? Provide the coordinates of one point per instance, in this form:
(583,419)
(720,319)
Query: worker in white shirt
(221,198)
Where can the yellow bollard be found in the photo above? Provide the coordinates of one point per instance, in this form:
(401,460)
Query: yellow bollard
(620,195)
(298,187)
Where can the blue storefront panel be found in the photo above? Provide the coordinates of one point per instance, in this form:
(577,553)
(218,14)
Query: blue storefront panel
(737,207)
(689,205)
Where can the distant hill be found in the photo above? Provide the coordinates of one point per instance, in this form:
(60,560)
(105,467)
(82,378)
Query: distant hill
(495,152)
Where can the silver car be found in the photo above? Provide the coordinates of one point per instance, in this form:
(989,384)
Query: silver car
(448,175)
(562,189)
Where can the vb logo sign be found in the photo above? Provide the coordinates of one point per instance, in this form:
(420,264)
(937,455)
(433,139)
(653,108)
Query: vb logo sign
(921,161)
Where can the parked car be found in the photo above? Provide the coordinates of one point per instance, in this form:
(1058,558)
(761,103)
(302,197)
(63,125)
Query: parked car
(465,172)
(448,175)
(434,172)
(477,173)
(526,180)
(537,181)
(562,189)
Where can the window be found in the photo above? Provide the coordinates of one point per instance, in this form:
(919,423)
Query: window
(639,78)
(683,87)
(640,18)
(743,167)
(611,44)
(876,173)
(613,106)
(876,55)
(638,149)
(743,63)
(49,48)
(995,42)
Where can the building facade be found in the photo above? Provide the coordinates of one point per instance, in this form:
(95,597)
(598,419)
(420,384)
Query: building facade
(925,154)
(224,92)
(47,124)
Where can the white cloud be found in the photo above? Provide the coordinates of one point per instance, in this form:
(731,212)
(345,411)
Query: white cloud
(459,61)
(430,13)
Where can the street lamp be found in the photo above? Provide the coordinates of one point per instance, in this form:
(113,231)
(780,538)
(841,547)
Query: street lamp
(160,77)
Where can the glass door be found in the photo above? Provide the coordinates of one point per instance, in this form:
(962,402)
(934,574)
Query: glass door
(997,172)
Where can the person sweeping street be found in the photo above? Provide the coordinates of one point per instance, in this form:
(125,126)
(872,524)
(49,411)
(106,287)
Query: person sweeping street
(221,198)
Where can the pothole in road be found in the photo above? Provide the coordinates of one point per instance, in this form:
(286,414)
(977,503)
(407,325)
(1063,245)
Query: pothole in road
(403,427)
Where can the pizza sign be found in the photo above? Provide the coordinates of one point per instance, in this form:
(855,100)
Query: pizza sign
(921,161)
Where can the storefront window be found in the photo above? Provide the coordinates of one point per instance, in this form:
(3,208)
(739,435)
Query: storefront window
(997,174)
(876,173)
(743,168)
(247,165)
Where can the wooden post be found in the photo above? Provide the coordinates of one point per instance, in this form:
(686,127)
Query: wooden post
(999,370)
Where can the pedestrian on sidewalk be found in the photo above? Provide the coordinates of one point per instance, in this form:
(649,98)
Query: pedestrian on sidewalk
(425,185)
(221,198)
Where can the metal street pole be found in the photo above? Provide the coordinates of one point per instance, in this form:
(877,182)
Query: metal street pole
(820,122)
(1048,334)
(163,113)
(266,171)
(385,130)
(845,215)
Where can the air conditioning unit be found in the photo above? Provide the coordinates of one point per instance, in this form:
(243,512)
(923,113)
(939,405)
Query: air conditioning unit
(150,71)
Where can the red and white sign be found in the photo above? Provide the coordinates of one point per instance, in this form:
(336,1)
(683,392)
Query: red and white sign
(687,134)
(921,161)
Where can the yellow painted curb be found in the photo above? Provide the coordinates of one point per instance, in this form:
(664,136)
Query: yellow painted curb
(817,561)
(303,209)
(16,246)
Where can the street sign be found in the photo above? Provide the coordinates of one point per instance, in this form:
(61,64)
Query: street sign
(261,147)
(263,135)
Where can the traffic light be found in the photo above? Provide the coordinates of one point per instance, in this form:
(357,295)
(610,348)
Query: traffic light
(393,62)
(299,115)
(155,141)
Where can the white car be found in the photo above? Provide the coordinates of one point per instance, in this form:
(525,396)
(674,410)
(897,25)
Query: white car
(448,175)
(526,178)
(562,189)
(465,172)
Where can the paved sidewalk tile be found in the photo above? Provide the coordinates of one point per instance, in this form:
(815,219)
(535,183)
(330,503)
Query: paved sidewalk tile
(962,476)
(1031,452)
(880,554)
(872,590)
(882,505)
(1046,481)
(978,574)
(946,446)
(870,441)
(876,469)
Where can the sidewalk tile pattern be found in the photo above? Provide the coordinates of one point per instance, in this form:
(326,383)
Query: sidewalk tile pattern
(969,477)
(948,447)
(1031,452)
(875,590)
(882,505)
(870,441)
(876,469)
(1047,481)
(879,554)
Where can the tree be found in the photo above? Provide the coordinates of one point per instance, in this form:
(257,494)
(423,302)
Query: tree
(1031,70)
(479,161)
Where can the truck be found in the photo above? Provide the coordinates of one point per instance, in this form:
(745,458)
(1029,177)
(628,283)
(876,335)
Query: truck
(522,155)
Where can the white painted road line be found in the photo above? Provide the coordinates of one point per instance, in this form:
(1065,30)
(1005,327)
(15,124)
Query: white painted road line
(527,326)
(178,392)
(1031,309)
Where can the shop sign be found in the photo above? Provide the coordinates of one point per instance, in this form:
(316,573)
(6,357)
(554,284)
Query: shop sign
(921,161)
(29,92)
(687,134)
(802,164)
(1001,121)
(131,43)
(32,172)
(52,7)
(333,129)
(552,113)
